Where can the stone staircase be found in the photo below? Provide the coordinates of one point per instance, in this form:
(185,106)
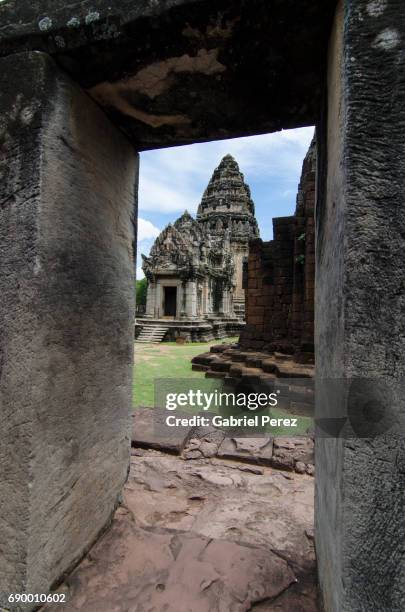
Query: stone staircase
(257,370)
(239,308)
(152,334)
(226,360)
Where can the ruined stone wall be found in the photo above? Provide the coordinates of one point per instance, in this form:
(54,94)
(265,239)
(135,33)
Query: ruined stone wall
(280,279)
(301,329)
(259,291)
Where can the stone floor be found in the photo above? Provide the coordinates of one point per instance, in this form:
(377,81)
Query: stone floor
(287,453)
(202,535)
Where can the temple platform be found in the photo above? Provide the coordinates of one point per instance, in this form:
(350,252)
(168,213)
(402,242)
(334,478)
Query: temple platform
(191,330)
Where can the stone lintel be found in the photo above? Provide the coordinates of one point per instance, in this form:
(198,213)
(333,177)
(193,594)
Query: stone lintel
(181,71)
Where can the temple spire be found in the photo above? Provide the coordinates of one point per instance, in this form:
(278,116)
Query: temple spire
(227,188)
(228,197)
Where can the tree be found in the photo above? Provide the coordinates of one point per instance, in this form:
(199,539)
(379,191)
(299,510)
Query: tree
(141,287)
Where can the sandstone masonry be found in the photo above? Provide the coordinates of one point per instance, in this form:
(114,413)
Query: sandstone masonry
(195,266)
(280,277)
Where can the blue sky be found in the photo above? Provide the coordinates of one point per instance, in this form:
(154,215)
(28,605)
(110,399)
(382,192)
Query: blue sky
(172,180)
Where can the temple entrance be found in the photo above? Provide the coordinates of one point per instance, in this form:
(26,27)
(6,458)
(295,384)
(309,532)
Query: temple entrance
(217,297)
(83,92)
(170,301)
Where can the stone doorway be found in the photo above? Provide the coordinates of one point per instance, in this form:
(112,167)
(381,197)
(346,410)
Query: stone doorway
(170,301)
(168,73)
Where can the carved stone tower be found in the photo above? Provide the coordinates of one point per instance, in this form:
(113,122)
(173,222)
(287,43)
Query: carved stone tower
(195,267)
(227,206)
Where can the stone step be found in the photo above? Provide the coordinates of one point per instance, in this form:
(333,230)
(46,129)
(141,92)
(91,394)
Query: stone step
(235,366)
(236,370)
(212,374)
(151,334)
(220,348)
(231,381)
(146,336)
(294,372)
(198,367)
(251,373)
(256,359)
(283,356)
(269,366)
(220,366)
(239,357)
(204,358)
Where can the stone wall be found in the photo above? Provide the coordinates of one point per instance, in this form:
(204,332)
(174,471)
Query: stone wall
(67,299)
(360,314)
(281,277)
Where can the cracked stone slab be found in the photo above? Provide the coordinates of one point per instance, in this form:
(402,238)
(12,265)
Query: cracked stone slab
(204,441)
(134,569)
(299,449)
(294,454)
(183,518)
(149,429)
(256,450)
(224,499)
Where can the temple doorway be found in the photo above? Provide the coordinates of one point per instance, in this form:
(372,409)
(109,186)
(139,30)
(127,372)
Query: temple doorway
(170,301)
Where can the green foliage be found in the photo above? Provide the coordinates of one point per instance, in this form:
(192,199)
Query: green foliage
(300,259)
(301,237)
(141,287)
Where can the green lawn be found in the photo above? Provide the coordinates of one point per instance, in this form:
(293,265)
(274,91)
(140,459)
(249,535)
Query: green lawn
(171,360)
(165,360)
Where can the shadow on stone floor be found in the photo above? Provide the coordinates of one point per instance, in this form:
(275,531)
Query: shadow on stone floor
(208,535)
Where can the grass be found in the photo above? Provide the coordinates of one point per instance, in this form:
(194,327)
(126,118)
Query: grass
(171,360)
(165,360)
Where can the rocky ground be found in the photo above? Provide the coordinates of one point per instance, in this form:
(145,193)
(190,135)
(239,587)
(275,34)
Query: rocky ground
(287,453)
(197,532)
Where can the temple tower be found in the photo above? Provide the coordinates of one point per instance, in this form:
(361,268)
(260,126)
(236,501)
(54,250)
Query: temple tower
(227,205)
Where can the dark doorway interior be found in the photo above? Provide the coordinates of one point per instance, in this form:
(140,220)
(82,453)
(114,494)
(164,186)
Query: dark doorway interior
(217,296)
(170,301)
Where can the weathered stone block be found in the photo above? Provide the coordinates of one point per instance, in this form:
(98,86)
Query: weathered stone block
(67,180)
(149,429)
(360,317)
(257,450)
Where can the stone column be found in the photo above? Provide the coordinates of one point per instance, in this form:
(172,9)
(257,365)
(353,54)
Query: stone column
(159,300)
(360,314)
(151,299)
(210,307)
(183,299)
(67,179)
(191,302)
(240,251)
(226,302)
(205,300)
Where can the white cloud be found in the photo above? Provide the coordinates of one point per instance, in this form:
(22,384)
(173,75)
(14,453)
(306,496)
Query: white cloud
(162,190)
(139,274)
(287,193)
(172,180)
(146,230)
